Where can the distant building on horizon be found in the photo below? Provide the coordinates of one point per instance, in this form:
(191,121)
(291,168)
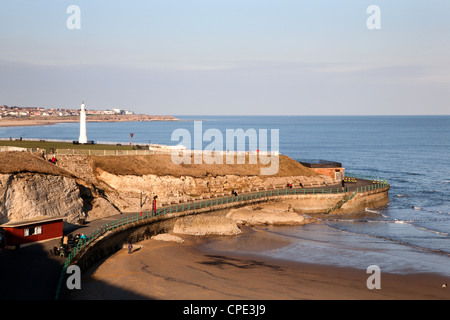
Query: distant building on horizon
(121,111)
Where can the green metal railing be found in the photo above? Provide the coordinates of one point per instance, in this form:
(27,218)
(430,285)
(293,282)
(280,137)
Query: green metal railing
(365,177)
(84,242)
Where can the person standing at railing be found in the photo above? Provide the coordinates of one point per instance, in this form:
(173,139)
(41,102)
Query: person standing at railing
(343,184)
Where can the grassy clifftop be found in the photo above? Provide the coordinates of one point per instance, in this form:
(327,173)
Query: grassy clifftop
(18,162)
(158,164)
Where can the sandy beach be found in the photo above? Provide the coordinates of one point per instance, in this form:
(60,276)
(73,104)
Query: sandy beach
(191,270)
(26,123)
(112,118)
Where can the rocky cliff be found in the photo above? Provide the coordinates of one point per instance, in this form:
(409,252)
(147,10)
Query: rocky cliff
(91,187)
(31,195)
(31,187)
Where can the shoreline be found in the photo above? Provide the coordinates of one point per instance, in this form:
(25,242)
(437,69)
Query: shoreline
(195,271)
(47,122)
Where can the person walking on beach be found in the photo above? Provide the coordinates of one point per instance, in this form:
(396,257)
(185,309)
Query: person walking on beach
(130,248)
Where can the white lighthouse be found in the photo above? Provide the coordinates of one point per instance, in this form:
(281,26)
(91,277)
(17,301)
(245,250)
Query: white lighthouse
(83,137)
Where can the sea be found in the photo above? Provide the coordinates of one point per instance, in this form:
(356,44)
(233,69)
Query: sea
(409,235)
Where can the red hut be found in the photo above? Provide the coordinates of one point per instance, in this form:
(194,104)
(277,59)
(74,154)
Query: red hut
(24,232)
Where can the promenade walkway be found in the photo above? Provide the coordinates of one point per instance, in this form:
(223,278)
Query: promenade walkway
(33,273)
(92,226)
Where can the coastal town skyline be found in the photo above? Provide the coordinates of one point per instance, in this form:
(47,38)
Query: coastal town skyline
(7,112)
(229,57)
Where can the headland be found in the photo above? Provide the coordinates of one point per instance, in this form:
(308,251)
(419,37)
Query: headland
(46,120)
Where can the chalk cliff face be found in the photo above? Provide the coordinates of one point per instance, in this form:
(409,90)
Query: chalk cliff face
(75,188)
(125,190)
(28,195)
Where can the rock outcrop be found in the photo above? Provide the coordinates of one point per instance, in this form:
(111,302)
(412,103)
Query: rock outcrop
(28,195)
(275,213)
(31,187)
(167,237)
(201,225)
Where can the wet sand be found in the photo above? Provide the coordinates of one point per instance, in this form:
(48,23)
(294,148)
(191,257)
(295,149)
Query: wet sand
(193,271)
(26,123)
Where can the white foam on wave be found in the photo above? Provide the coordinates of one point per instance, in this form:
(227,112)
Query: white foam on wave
(408,222)
(412,224)
(445,181)
(375,211)
(430,230)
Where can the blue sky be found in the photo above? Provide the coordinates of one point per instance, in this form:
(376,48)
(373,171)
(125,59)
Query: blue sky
(312,57)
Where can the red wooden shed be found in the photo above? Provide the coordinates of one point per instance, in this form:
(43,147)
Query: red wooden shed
(24,232)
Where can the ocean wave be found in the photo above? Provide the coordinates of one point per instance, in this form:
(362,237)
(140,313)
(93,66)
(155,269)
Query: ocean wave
(429,210)
(396,172)
(397,240)
(342,220)
(402,195)
(431,230)
(445,181)
(410,222)
(376,212)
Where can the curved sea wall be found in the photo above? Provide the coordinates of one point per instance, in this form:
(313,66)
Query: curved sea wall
(320,203)
(276,210)
(363,200)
